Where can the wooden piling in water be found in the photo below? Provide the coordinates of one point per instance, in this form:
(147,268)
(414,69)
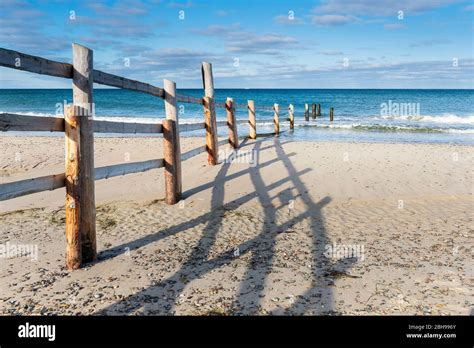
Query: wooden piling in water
(276,119)
(319,109)
(211,130)
(252,120)
(171,146)
(83,189)
(331,114)
(230,111)
(306,112)
(313,111)
(291,111)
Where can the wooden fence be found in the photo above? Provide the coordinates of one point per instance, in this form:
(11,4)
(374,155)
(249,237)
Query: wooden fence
(79,127)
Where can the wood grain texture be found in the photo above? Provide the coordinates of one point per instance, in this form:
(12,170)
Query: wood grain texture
(83,108)
(21,61)
(211,131)
(189,127)
(252,120)
(14,122)
(207,80)
(230,113)
(276,119)
(209,113)
(73,189)
(313,111)
(171,163)
(188,99)
(127,168)
(171,112)
(104,78)
(25,187)
(306,112)
(127,128)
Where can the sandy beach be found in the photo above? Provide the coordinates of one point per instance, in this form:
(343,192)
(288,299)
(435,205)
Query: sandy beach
(250,238)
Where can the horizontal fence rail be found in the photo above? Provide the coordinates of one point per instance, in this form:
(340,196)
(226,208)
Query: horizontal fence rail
(55,181)
(28,123)
(124,83)
(16,60)
(189,127)
(29,186)
(127,128)
(127,168)
(188,99)
(14,122)
(34,64)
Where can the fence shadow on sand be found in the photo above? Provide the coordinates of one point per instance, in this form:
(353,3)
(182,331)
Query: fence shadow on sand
(317,300)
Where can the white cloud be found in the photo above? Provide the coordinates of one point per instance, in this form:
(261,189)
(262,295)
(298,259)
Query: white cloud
(239,41)
(218,30)
(263,44)
(334,20)
(286,20)
(331,53)
(394,26)
(378,7)
(430,43)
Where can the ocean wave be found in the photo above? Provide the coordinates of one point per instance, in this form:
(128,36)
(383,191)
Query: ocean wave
(388,128)
(446,118)
(31,113)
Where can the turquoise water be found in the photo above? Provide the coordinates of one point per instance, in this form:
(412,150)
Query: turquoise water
(432,116)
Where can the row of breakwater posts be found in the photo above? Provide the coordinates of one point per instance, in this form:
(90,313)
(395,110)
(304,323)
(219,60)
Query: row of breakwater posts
(79,127)
(315,114)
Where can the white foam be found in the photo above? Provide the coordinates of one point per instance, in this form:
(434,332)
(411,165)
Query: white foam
(445,118)
(31,113)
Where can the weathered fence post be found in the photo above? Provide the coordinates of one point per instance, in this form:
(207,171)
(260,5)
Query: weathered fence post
(313,113)
(171,146)
(306,112)
(319,109)
(172,165)
(252,120)
(291,112)
(83,188)
(331,114)
(210,113)
(211,130)
(230,111)
(276,119)
(73,207)
(207,79)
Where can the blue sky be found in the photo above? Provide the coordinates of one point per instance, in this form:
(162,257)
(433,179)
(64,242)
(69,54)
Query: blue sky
(260,44)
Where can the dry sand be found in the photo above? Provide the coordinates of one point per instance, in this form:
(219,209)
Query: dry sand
(250,239)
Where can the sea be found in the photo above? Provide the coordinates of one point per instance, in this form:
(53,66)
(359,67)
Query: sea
(360,115)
